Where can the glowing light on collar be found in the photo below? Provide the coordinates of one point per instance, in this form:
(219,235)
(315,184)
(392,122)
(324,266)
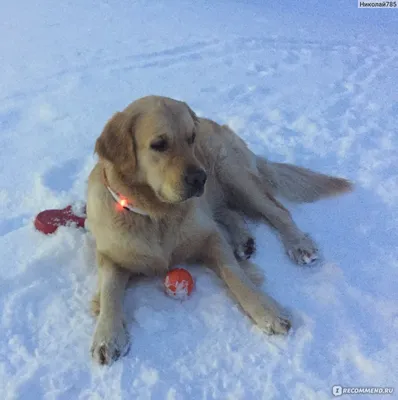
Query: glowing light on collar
(124,203)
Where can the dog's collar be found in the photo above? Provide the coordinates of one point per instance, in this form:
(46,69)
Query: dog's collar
(120,199)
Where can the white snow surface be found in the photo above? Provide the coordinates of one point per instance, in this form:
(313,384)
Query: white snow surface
(301,82)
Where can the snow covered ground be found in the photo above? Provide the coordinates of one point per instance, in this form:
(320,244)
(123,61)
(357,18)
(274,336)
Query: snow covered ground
(302,82)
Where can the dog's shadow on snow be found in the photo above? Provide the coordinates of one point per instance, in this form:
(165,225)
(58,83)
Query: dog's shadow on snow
(61,178)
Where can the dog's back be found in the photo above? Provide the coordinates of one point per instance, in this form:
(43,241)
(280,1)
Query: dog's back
(229,158)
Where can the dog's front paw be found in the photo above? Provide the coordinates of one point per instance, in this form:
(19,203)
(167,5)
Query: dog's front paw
(280,326)
(270,318)
(245,250)
(302,250)
(274,325)
(109,343)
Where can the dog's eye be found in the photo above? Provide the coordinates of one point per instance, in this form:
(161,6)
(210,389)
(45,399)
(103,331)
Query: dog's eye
(191,140)
(159,145)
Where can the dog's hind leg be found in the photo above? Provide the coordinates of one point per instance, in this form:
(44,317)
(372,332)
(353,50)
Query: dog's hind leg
(246,193)
(237,232)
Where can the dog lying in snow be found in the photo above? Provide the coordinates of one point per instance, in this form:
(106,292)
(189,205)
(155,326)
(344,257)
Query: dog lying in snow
(171,188)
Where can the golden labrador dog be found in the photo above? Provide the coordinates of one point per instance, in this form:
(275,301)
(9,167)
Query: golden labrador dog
(172,188)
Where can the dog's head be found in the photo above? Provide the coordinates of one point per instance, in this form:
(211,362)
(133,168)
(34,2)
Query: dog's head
(152,142)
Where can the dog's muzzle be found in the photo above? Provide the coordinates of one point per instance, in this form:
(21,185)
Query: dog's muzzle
(195,179)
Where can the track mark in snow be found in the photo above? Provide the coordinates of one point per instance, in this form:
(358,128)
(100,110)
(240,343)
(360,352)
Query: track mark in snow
(197,51)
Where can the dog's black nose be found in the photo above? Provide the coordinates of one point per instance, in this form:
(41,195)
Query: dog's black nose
(195,178)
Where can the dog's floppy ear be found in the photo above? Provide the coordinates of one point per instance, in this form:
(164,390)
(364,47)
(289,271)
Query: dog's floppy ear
(116,143)
(193,115)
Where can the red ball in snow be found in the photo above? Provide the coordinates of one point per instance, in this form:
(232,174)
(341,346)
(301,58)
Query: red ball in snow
(178,283)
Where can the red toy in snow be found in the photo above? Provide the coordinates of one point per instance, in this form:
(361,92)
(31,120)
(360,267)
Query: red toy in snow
(178,283)
(49,221)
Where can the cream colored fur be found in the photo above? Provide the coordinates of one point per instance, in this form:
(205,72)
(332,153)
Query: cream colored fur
(179,228)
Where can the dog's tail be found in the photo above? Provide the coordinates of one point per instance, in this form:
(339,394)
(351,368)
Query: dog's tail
(298,184)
